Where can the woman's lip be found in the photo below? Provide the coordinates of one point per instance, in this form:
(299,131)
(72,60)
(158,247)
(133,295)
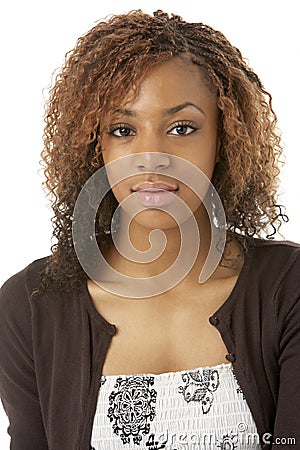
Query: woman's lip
(154,187)
(154,194)
(155,197)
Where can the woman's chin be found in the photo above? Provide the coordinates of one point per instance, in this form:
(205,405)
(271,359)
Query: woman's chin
(153,218)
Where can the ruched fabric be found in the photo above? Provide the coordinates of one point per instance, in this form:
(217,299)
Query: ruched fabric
(202,408)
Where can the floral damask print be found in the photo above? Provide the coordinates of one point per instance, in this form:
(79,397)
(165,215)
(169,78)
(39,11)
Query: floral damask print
(238,389)
(151,444)
(228,442)
(132,406)
(102,380)
(199,386)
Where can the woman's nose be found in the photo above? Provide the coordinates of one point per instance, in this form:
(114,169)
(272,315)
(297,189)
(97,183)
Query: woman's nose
(151,161)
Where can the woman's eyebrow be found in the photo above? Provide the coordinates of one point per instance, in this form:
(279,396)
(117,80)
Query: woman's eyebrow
(166,112)
(125,112)
(175,109)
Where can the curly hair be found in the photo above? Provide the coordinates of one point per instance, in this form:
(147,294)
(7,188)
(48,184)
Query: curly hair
(109,61)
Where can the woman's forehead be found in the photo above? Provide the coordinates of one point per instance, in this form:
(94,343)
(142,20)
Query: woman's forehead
(167,85)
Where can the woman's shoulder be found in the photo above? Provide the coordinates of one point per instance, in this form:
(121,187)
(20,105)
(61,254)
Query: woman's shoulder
(16,291)
(271,243)
(271,252)
(275,264)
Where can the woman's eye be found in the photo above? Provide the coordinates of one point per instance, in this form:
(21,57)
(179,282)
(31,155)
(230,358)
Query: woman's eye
(182,130)
(121,131)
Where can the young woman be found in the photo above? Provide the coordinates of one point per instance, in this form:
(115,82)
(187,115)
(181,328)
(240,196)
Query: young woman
(87,363)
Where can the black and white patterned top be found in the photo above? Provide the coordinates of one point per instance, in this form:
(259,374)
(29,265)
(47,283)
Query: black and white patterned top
(203,408)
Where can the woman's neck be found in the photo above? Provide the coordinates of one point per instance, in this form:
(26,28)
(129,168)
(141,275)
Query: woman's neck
(139,239)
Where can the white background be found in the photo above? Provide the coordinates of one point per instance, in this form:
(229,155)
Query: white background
(35,35)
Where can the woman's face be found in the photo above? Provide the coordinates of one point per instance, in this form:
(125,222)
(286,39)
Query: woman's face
(174,113)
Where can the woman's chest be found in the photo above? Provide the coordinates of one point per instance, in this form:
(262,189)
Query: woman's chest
(164,334)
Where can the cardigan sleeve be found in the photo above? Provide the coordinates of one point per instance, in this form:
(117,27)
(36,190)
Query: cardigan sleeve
(18,388)
(287,421)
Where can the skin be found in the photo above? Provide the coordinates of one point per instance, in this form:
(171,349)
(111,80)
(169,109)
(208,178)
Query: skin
(147,338)
(150,124)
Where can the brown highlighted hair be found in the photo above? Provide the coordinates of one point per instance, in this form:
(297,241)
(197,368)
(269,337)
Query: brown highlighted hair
(110,60)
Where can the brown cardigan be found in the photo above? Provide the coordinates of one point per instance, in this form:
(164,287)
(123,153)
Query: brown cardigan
(52,350)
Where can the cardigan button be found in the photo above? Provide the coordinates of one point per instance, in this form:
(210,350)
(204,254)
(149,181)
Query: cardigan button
(214,320)
(230,357)
(111,329)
